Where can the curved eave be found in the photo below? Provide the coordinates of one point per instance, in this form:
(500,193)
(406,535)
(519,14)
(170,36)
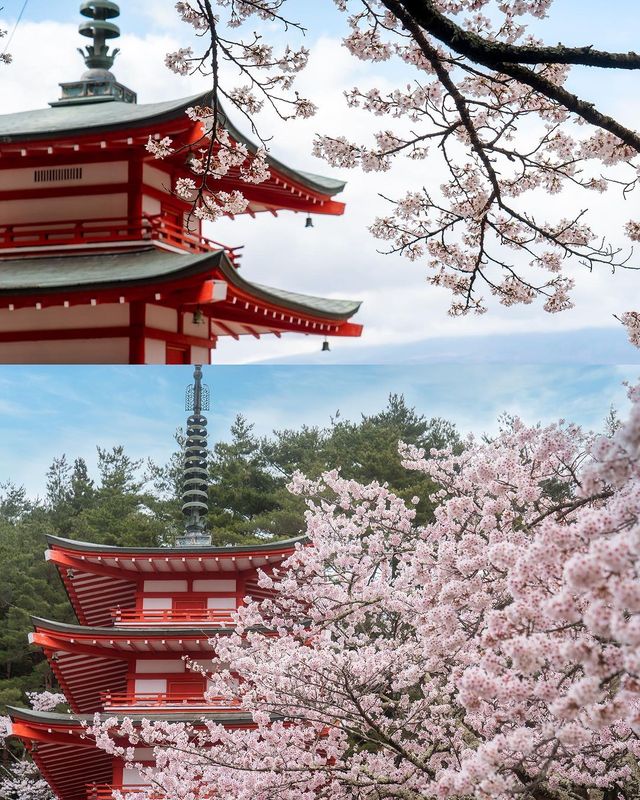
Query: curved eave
(284,546)
(156,270)
(54,719)
(69,760)
(85,120)
(146,632)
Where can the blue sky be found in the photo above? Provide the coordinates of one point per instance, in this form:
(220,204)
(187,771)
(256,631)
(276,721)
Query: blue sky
(48,411)
(466,370)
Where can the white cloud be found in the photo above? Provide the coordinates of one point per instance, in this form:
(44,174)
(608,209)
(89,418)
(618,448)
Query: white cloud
(337,258)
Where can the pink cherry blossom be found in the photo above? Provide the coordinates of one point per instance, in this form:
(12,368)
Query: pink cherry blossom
(492,136)
(492,653)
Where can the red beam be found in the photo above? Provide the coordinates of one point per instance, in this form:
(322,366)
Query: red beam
(62,559)
(137,321)
(80,190)
(233,313)
(78,646)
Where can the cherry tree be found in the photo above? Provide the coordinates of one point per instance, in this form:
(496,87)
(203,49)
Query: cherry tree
(20,779)
(481,99)
(493,653)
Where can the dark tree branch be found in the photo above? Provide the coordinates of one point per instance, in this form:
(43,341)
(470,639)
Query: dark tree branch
(495,53)
(506,59)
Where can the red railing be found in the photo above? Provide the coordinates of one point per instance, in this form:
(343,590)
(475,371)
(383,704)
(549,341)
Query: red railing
(104,791)
(203,616)
(175,701)
(108,231)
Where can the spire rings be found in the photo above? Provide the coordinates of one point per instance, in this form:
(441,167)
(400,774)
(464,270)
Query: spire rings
(100,9)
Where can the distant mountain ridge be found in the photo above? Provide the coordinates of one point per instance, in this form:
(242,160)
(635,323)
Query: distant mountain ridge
(584,346)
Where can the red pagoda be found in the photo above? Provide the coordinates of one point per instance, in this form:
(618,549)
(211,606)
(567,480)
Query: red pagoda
(140,611)
(100,261)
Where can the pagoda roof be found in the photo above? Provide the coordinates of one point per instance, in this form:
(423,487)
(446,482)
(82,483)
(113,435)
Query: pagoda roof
(75,720)
(111,635)
(142,273)
(88,661)
(69,760)
(100,577)
(96,118)
(282,545)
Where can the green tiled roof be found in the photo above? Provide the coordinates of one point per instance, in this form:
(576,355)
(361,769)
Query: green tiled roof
(151,265)
(56,273)
(43,122)
(230,550)
(47,123)
(184,632)
(74,719)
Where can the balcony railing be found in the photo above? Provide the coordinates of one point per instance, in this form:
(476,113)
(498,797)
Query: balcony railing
(175,701)
(172,616)
(116,230)
(104,791)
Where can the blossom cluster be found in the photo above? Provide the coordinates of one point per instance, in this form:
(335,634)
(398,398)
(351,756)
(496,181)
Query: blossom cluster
(218,157)
(270,79)
(20,778)
(503,135)
(495,649)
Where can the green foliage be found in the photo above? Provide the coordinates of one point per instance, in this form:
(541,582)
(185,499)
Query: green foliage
(365,451)
(132,503)
(116,511)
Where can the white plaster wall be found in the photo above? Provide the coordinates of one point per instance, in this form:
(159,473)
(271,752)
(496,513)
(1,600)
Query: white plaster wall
(200,355)
(168,666)
(166,319)
(151,686)
(98,206)
(78,351)
(157,178)
(221,603)
(153,603)
(165,586)
(105,315)
(215,585)
(155,351)
(150,205)
(96,174)
(131,777)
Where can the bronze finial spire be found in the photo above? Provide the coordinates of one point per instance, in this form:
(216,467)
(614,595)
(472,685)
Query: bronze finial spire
(97,84)
(195,476)
(97,55)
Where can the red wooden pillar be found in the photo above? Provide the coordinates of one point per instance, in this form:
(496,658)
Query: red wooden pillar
(137,320)
(134,193)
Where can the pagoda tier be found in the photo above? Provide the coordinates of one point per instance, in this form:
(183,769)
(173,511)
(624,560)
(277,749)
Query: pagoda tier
(101,262)
(146,306)
(74,767)
(99,149)
(129,668)
(144,586)
(144,612)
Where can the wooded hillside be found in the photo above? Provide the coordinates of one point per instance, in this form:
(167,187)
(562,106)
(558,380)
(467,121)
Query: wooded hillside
(129,502)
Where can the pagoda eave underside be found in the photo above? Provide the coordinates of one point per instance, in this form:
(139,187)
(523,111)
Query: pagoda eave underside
(152,275)
(107,131)
(97,578)
(69,760)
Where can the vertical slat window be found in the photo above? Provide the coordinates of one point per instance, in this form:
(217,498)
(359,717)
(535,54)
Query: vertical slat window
(53,174)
